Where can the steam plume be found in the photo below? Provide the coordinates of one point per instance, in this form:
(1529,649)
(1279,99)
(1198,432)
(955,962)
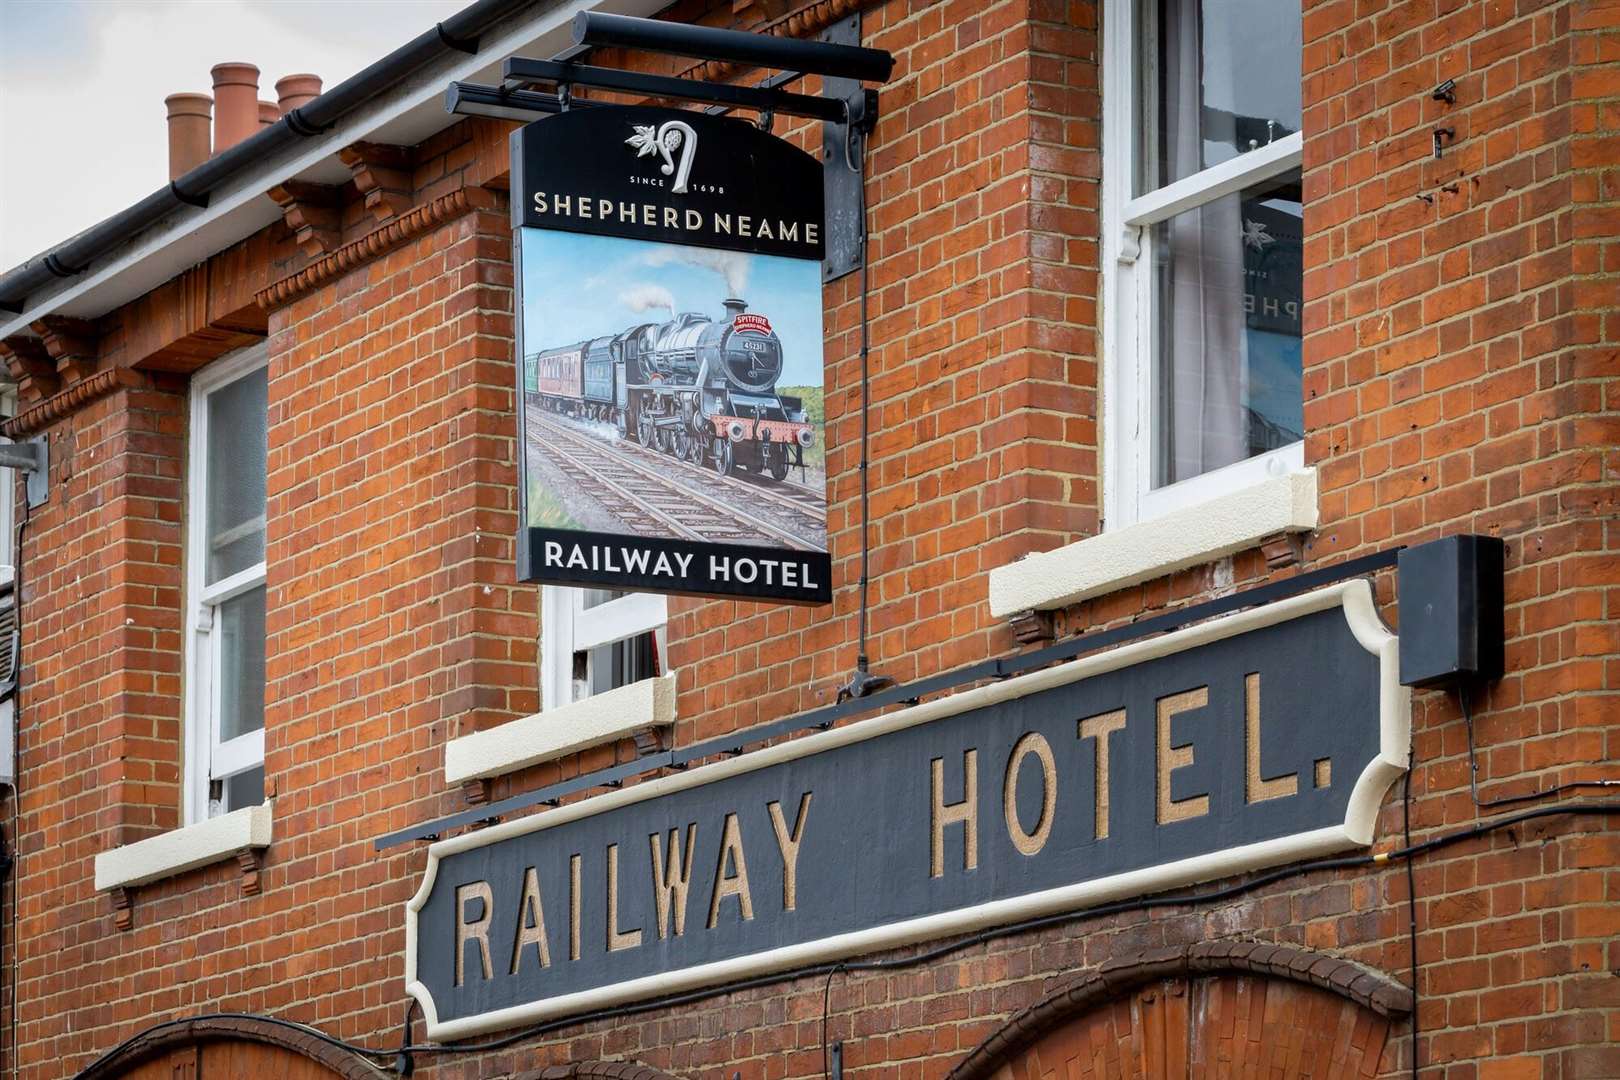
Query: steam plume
(648,298)
(731,265)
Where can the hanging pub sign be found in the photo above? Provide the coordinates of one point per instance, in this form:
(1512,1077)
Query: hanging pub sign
(1248,741)
(670,334)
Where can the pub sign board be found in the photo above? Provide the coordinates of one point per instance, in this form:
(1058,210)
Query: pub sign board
(1253,740)
(670,340)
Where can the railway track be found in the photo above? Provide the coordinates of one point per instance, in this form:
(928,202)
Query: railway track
(794,498)
(638,488)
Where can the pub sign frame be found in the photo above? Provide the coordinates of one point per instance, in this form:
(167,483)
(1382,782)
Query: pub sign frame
(670,373)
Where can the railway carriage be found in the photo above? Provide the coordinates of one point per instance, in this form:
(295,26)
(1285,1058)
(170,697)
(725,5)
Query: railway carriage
(700,389)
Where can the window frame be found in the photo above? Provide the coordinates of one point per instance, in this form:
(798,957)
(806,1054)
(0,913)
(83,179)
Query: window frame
(206,757)
(8,495)
(1128,374)
(567,626)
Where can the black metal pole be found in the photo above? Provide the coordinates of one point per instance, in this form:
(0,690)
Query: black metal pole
(708,43)
(523,71)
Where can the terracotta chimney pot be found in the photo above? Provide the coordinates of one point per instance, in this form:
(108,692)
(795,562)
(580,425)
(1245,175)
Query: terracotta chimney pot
(236,104)
(293,91)
(268,113)
(189,118)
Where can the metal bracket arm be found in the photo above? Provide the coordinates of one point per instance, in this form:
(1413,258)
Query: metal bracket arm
(523,71)
(27,456)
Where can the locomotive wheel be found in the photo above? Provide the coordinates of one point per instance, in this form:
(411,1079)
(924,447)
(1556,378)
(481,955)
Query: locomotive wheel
(776,459)
(661,440)
(644,429)
(724,457)
(683,444)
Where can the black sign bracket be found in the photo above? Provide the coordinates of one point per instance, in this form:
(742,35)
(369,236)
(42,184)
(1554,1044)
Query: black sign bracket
(847,108)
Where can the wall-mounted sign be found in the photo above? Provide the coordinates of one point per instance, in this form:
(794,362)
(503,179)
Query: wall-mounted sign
(670,335)
(1260,738)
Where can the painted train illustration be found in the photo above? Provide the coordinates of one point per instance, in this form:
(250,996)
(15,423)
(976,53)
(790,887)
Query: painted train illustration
(701,389)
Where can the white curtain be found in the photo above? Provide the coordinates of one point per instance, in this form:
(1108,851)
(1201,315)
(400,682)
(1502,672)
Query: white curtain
(1203,369)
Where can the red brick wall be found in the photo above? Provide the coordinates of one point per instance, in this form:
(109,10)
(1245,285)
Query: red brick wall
(1461,375)
(983,192)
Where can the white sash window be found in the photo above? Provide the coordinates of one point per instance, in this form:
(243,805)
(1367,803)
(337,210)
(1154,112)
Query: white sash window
(1202,239)
(594,640)
(225,633)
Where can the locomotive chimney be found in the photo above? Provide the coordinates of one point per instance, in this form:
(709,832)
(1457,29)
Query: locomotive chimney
(734,307)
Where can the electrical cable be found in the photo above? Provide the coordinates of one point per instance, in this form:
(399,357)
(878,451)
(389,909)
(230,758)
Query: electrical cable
(1411,909)
(826,1007)
(862,682)
(1591,809)
(1510,800)
(859,167)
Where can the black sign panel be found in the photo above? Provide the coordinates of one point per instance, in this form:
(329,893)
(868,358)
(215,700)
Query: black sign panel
(670,176)
(1253,740)
(671,374)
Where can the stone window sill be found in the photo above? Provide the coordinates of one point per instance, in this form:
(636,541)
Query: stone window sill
(1150,549)
(240,834)
(645,706)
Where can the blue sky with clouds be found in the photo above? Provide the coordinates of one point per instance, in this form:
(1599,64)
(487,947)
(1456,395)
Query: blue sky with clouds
(82,84)
(577,286)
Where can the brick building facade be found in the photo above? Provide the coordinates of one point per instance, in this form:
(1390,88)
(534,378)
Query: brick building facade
(1461,365)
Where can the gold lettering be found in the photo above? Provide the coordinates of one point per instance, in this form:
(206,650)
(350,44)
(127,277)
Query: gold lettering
(672,218)
(531,923)
(725,884)
(966,812)
(573,907)
(671,879)
(1256,789)
(788,844)
(539,202)
(564,204)
(617,939)
(1100,727)
(474,930)
(604,208)
(1172,758)
(1031,742)
(722,223)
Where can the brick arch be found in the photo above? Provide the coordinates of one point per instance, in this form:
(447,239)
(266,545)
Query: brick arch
(598,1070)
(230,1046)
(1199,1010)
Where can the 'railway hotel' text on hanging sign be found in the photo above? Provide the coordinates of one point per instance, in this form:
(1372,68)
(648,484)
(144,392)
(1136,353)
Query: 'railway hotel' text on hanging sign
(1252,740)
(670,343)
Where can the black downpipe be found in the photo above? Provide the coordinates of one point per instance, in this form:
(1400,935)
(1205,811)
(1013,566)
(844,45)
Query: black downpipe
(458,33)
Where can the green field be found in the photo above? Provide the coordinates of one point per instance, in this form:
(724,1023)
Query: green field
(815,411)
(545,511)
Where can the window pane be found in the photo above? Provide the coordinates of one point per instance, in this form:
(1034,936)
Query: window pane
(598,597)
(244,789)
(237,419)
(621,663)
(1222,77)
(1228,283)
(239,622)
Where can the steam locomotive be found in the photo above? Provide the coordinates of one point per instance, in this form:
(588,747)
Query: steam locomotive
(700,389)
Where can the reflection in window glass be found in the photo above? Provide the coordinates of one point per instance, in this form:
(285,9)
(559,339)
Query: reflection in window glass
(1228,285)
(1221,78)
(237,418)
(244,789)
(240,624)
